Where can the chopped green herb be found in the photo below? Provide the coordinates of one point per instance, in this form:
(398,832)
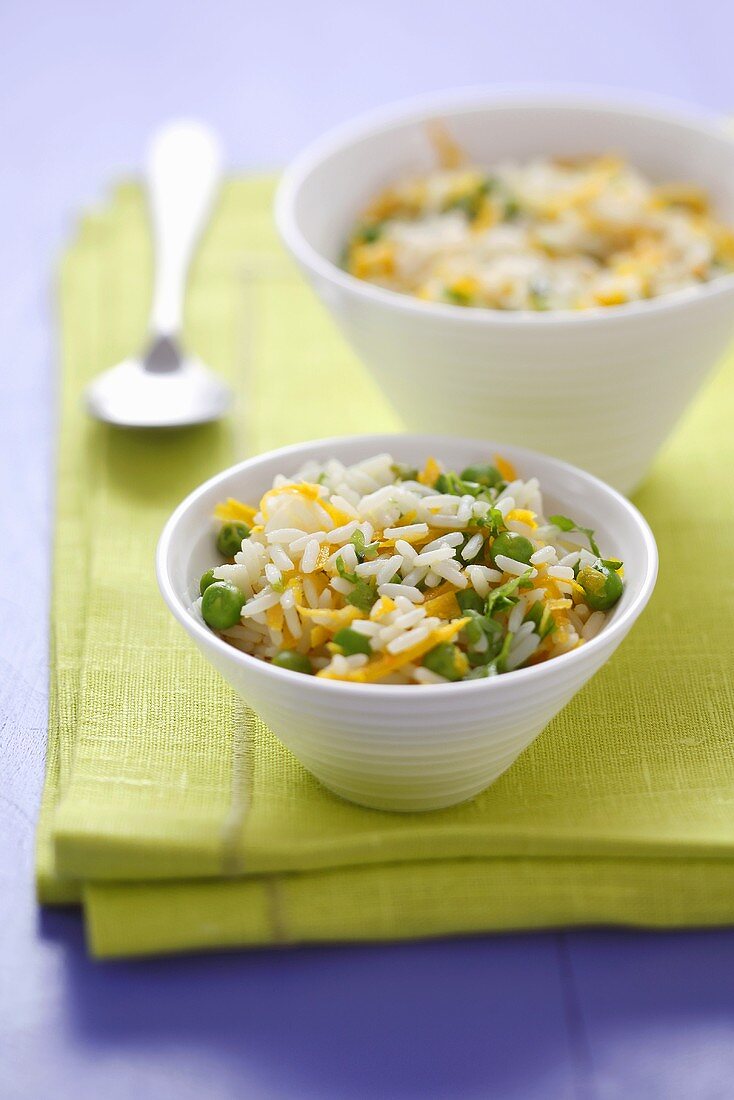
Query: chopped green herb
(494,522)
(563,523)
(446,659)
(488,476)
(545,624)
(481,672)
(472,631)
(450,482)
(363,595)
(364,551)
(495,666)
(499,599)
(469,600)
(351,641)
(482,626)
(500,661)
(403,472)
(343,573)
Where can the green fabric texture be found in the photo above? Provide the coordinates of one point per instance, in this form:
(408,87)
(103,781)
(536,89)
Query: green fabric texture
(178,819)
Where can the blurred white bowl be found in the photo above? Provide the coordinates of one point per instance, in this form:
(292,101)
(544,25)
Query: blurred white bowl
(600,388)
(408,747)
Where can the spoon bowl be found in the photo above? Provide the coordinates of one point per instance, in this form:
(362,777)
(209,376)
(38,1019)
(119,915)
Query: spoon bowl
(132,395)
(165,387)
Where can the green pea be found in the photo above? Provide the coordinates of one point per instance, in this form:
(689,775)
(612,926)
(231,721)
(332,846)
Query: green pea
(602,586)
(206,579)
(222,605)
(351,641)
(488,476)
(294,661)
(469,600)
(446,660)
(512,546)
(229,539)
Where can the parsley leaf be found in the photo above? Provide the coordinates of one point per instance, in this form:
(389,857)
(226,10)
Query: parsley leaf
(499,599)
(563,523)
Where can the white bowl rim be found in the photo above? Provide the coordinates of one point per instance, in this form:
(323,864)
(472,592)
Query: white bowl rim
(374,444)
(415,109)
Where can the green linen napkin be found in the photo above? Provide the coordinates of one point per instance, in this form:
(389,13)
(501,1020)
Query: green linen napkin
(176,816)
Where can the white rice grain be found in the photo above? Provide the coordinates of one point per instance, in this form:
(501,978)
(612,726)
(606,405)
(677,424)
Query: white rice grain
(311,592)
(454,538)
(409,531)
(410,618)
(451,573)
(344,505)
(593,625)
(273,574)
(426,676)
(441,519)
(366,626)
(431,557)
(285,535)
(545,556)
(310,555)
(415,576)
(342,534)
(516,617)
(407,640)
(260,604)
(516,568)
(409,554)
(472,548)
(371,568)
(520,653)
(281,559)
(394,590)
(341,585)
(560,572)
(299,545)
(294,622)
(388,569)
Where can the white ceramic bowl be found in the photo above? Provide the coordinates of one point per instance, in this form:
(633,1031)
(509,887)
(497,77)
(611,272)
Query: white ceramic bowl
(408,747)
(600,388)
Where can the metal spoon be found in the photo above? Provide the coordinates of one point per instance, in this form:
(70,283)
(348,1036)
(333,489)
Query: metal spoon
(164,387)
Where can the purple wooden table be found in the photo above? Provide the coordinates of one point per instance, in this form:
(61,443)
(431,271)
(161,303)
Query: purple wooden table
(591,1014)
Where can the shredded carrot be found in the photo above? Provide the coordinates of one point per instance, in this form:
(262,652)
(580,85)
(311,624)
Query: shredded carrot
(508,471)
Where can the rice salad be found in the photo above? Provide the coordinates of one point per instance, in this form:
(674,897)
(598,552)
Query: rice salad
(547,234)
(379,573)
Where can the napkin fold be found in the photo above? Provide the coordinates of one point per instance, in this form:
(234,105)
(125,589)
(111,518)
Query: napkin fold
(175,816)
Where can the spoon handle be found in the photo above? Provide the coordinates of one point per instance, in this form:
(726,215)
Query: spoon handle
(182,175)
